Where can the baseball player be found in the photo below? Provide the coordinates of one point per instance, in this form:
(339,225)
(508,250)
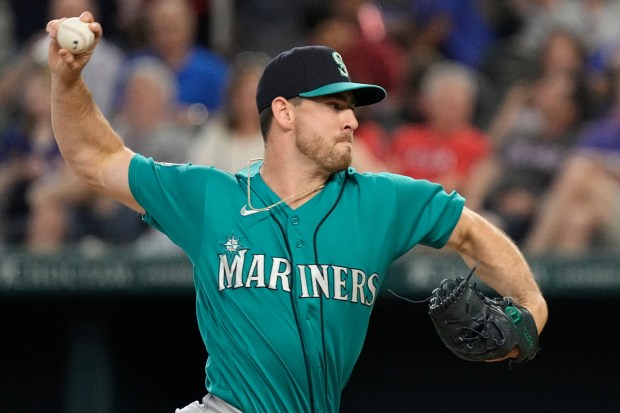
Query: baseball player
(289,254)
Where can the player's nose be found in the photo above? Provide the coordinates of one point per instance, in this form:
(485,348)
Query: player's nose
(350,121)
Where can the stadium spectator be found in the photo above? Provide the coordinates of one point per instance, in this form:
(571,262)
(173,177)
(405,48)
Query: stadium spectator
(28,154)
(131,29)
(539,124)
(445,146)
(463,31)
(232,137)
(594,22)
(146,119)
(201,74)
(580,212)
(560,52)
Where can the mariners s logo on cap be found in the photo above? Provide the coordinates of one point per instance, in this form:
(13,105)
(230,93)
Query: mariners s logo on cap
(309,71)
(340,62)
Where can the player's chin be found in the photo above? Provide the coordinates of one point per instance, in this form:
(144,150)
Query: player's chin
(346,162)
(338,163)
(344,149)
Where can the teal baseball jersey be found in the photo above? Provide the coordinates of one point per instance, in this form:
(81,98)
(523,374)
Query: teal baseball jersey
(283,297)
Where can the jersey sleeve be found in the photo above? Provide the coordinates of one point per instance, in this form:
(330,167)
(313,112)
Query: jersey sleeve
(173,196)
(425,213)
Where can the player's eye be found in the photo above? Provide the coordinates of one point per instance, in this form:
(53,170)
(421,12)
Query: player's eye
(337,105)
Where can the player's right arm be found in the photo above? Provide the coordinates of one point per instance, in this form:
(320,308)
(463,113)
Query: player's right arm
(85,138)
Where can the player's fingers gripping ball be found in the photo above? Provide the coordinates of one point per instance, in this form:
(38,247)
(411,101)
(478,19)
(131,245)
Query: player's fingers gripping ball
(478,328)
(75,36)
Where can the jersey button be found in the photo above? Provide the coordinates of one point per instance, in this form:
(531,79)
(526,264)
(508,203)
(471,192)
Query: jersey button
(295,220)
(308,316)
(299,244)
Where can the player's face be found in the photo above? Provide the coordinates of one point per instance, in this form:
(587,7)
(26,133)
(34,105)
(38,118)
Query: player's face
(324,130)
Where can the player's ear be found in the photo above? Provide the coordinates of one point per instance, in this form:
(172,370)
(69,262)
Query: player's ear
(282,113)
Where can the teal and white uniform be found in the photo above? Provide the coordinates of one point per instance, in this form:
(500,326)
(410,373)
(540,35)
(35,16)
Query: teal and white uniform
(283,297)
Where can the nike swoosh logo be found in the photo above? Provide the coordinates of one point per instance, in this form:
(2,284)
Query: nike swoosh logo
(245,212)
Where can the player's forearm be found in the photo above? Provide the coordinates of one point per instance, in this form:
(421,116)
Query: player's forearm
(502,266)
(84,136)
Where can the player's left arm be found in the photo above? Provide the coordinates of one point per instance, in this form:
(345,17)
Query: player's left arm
(502,265)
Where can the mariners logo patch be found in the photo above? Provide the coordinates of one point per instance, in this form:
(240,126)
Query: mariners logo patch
(233,246)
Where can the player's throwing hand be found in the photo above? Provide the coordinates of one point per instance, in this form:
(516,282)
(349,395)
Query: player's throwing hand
(60,59)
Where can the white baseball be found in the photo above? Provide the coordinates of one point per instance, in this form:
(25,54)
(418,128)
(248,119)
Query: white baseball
(75,36)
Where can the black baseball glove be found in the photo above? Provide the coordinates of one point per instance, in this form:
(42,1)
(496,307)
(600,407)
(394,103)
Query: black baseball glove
(478,328)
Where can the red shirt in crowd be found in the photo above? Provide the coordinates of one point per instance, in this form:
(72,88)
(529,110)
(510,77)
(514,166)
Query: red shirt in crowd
(446,158)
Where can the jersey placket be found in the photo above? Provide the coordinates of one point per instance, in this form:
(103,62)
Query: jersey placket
(299,233)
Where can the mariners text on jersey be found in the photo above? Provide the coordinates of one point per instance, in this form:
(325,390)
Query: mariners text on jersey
(329,281)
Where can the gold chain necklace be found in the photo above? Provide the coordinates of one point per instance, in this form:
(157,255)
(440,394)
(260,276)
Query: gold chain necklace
(249,209)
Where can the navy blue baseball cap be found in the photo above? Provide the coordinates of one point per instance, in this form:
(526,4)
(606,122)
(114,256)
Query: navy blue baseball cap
(311,71)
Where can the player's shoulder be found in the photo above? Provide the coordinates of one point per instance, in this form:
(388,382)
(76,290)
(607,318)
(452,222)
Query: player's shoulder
(385,183)
(142,164)
(381,178)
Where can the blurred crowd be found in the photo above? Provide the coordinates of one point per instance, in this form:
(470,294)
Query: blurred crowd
(514,104)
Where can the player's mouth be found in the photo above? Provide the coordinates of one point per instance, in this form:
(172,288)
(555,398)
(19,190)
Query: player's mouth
(346,139)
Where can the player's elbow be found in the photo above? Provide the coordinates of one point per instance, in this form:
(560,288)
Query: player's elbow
(461,238)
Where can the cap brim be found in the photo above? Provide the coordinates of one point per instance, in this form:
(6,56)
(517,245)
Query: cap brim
(364,94)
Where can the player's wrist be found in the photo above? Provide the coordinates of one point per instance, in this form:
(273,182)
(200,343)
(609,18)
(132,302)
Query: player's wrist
(538,309)
(69,87)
